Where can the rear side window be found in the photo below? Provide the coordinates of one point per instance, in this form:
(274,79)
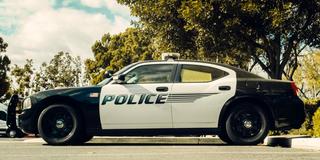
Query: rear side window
(199,74)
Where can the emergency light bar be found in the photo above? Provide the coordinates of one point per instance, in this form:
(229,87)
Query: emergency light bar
(167,56)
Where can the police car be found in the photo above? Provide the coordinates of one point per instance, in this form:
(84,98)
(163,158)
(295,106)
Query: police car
(168,97)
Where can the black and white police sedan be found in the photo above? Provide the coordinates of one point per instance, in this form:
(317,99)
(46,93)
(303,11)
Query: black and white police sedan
(170,97)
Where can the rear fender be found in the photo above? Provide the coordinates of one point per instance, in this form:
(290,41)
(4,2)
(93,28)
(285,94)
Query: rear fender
(252,99)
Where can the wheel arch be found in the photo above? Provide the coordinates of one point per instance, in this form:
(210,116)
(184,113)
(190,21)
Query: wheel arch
(251,99)
(57,99)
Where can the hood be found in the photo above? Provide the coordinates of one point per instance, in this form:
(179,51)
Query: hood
(73,92)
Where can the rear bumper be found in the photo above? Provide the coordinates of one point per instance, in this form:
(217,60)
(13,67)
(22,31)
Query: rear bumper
(290,114)
(298,115)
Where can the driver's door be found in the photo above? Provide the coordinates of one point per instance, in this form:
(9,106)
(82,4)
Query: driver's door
(140,101)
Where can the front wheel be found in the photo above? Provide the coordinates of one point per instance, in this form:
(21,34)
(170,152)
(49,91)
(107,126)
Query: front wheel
(246,124)
(59,124)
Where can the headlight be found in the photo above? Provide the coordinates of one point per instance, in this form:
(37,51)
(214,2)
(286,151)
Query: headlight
(26,103)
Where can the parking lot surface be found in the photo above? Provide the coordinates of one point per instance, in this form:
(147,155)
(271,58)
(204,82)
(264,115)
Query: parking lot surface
(35,149)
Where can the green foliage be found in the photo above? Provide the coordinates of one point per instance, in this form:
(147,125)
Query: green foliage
(115,52)
(311,106)
(273,33)
(23,77)
(40,80)
(316,123)
(3,45)
(63,70)
(4,68)
(307,75)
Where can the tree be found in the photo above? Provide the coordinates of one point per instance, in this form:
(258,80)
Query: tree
(3,45)
(307,75)
(23,78)
(62,71)
(116,51)
(40,80)
(273,33)
(4,68)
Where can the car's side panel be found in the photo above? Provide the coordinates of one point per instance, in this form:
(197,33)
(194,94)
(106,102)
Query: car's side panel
(198,105)
(285,110)
(137,115)
(144,106)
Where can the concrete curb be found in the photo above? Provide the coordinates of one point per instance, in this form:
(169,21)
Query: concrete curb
(301,141)
(157,140)
(306,143)
(283,141)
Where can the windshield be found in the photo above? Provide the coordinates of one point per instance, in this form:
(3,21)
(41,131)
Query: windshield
(107,80)
(125,68)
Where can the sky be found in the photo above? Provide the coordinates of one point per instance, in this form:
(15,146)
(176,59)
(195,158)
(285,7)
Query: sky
(38,29)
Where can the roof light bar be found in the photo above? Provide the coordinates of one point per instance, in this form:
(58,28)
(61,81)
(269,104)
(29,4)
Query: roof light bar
(170,56)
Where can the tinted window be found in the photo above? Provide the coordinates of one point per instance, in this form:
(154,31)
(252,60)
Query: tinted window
(242,73)
(195,73)
(159,73)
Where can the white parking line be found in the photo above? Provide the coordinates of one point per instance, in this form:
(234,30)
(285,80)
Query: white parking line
(34,140)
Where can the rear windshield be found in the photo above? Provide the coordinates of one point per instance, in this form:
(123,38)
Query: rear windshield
(242,73)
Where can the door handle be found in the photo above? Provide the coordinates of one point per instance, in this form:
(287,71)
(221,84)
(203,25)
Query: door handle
(162,89)
(224,88)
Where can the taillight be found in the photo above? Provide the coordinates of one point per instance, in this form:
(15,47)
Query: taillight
(294,88)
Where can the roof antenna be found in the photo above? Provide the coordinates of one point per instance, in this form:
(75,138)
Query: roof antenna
(170,56)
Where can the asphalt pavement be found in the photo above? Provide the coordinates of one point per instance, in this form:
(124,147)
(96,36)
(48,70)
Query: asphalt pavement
(36,149)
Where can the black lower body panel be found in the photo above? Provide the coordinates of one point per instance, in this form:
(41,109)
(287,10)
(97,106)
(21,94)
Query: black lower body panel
(157,132)
(290,114)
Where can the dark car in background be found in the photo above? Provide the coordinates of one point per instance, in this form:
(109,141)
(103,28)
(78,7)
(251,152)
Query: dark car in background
(8,128)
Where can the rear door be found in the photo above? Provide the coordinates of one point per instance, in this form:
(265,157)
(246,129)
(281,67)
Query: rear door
(199,93)
(140,102)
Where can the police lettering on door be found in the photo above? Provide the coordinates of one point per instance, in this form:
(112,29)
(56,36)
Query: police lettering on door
(135,99)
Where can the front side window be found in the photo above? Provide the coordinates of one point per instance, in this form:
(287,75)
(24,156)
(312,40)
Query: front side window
(199,74)
(156,73)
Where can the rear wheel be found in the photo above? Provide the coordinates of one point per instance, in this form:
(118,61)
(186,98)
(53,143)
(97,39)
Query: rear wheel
(224,137)
(59,124)
(246,124)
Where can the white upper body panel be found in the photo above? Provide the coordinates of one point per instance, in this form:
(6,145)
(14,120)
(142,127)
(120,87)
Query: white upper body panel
(185,105)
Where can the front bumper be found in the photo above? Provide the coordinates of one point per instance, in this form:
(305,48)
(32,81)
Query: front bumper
(27,122)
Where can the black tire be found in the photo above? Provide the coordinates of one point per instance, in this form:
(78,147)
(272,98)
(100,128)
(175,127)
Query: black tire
(224,137)
(246,124)
(11,133)
(59,124)
(85,138)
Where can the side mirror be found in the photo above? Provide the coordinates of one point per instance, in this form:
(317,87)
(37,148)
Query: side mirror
(108,74)
(119,79)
